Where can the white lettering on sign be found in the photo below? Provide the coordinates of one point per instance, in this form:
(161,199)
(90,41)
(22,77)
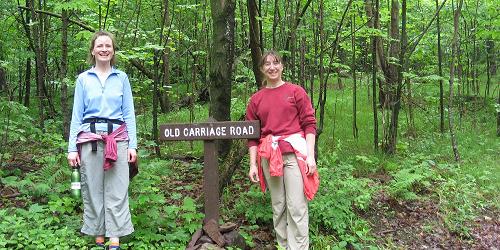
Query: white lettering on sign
(204,131)
(239,131)
(210,131)
(172,132)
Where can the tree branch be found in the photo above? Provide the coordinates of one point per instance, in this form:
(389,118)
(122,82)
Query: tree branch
(84,26)
(414,42)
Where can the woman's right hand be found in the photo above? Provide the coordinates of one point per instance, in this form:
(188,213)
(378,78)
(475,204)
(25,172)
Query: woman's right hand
(73,159)
(253,173)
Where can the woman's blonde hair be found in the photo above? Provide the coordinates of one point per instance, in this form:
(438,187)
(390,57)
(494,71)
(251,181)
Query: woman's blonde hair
(90,57)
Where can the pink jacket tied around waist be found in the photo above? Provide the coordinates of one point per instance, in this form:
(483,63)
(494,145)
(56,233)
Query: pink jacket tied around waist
(110,149)
(269,149)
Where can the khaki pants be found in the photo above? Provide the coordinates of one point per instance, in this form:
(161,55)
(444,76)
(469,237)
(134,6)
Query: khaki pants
(290,212)
(105,193)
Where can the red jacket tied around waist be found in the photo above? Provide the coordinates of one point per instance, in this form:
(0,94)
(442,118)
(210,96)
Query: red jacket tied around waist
(110,149)
(268,148)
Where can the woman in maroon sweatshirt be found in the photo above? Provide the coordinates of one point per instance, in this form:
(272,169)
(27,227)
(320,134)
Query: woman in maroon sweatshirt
(284,155)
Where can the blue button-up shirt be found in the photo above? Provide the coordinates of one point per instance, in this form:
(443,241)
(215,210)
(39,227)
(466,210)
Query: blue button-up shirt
(111,99)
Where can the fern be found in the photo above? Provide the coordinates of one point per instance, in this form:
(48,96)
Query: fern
(52,174)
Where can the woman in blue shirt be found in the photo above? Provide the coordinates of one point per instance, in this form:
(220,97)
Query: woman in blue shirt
(103,106)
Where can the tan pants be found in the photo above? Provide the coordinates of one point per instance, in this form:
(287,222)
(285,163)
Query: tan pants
(105,193)
(290,212)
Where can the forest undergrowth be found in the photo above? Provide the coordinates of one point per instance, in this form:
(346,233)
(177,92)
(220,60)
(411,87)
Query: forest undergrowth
(418,198)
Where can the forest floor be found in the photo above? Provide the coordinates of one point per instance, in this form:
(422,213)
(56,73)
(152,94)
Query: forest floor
(414,225)
(419,225)
(394,224)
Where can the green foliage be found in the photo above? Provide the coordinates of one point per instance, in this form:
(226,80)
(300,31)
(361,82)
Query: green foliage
(460,198)
(254,206)
(412,179)
(157,223)
(16,124)
(333,210)
(38,228)
(163,216)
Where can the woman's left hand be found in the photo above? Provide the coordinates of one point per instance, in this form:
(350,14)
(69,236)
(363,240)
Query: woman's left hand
(132,155)
(311,165)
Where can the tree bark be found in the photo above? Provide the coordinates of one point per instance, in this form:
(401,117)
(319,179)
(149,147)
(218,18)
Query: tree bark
(27,84)
(292,31)
(323,83)
(404,68)
(413,45)
(353,71)
(158,55)
(440,72)
(392,73)
(254,41)
(39,72)
(221,64)
(3,79)
(163,97)
(488,67)
(374,77)
(64,70)
(498,114)
(276,20)
(31,9)
(302,69)
(454,143)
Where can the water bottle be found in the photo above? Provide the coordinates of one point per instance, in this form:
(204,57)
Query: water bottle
(75,183)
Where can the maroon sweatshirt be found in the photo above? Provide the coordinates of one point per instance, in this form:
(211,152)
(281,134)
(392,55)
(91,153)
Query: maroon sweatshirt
(283,110)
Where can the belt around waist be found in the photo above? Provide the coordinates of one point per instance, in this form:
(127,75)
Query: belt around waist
(102,120)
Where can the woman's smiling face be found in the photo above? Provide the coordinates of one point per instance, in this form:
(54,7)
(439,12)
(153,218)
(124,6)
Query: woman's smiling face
(103,50)
(272,68)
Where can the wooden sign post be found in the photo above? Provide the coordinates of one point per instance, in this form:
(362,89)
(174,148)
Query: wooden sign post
(209,132)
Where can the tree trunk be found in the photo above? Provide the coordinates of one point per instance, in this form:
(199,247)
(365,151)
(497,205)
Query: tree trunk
(374,76)
(411,123)
(440,72)
(158,56)
(27,84)
(276,20)
(353,71)
(488,66)
(221,64)
(64,70)
(302,69)
(393,78)
(498,114)
(3,79)
(293,29)
(323,83)
(490,47)
(163,97)
(39,74)
(254,40)
(454,143)
(43,38)
(404,68)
